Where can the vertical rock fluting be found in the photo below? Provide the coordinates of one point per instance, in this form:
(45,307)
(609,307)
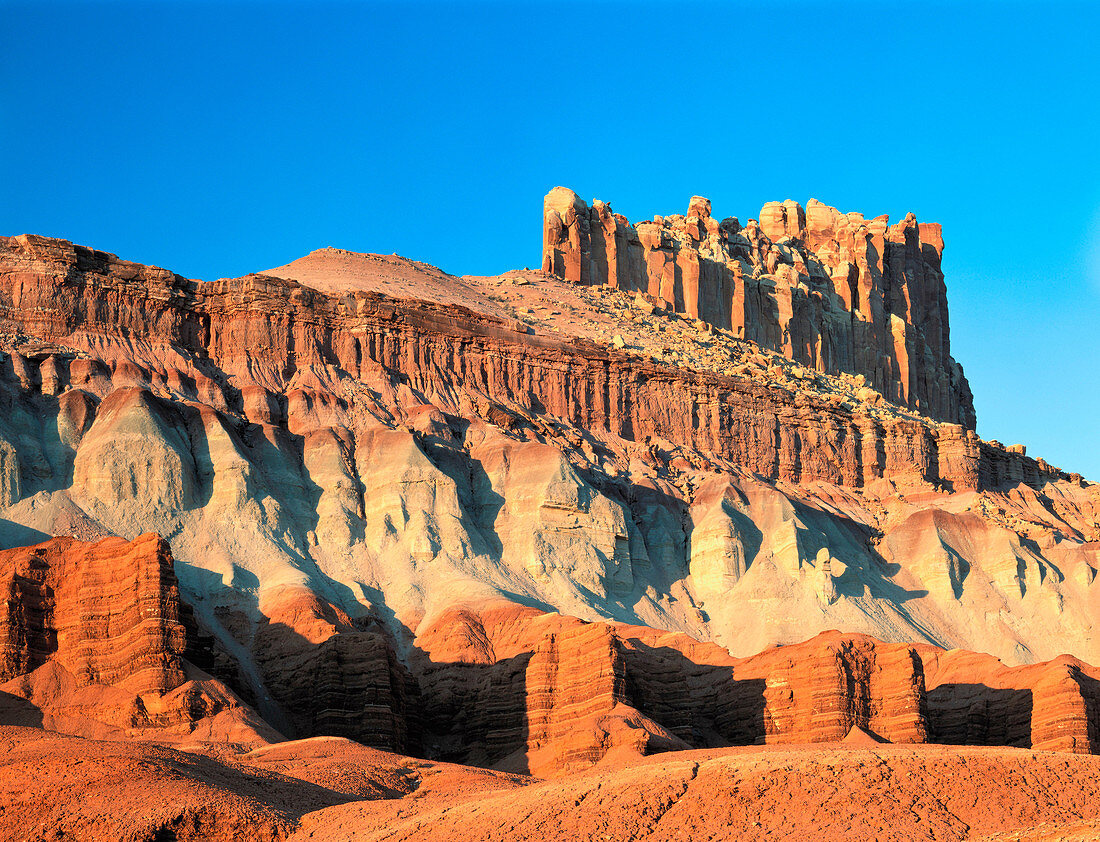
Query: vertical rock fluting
(256,332)
(769,431)
(832,291)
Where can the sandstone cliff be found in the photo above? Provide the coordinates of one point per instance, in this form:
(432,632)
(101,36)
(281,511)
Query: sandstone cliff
(974,699)
(61,603)
(337,471)
(93,639)
(563,695)
(277,352)
(833,291)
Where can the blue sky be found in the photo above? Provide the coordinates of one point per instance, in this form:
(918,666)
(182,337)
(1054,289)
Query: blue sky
(218,139)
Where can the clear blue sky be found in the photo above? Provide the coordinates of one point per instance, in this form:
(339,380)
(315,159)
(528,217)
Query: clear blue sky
(218,139)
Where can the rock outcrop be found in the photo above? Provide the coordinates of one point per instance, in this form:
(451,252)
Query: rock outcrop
(243,341)
(108,612)
(93,639)
(974,699)
(820,690)
(566,694)
(332,676)
(833,291)
(347,480)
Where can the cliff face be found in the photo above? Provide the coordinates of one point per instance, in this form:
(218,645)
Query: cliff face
(328,674)
(93,639)
(348,480)
(61,602)
(366,449)
(569,693)
(974,699)
(256,346)
(832,291)
(563,694)
(504,686)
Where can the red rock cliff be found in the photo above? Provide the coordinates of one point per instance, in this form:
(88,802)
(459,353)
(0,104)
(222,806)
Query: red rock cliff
(580,690)
(108,612)
(95,640)
(246,338)
(832,291)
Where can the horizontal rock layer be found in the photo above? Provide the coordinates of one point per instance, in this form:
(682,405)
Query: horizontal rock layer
(92,641)
(333,677)
(249,336)
(507,686)
(833,291)
(583,690)
(974,699)
(108,612)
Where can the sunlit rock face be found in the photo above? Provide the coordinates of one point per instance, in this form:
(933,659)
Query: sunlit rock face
(392,513)
(94,640)
(831,290)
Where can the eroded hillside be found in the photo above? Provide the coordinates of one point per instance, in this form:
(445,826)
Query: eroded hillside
(392,497)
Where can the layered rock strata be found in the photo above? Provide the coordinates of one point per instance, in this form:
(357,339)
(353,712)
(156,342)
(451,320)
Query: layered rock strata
(820,690)
(332,676)
(833,291)
(93,638)
(245,340)
(974,699)
(107,612)
(581,690)
(335,473)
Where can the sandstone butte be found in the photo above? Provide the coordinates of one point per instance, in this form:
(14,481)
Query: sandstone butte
(686,535)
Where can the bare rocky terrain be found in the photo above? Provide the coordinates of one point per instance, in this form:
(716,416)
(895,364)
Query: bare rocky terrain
(56,786)
(629,546)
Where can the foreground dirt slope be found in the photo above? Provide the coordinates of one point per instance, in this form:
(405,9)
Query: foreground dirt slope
(61,787)
(54,787)
(821,793)
(57,787)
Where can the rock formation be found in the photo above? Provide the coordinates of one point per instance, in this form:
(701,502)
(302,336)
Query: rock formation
(262,331)
(974,699)
(566,694)
(832,291)
(563,694)
(61,603)
(546,527)
(93,639)
(330,675)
